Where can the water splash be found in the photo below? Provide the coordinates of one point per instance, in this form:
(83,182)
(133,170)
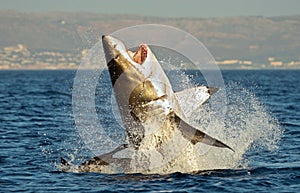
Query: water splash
(247,126)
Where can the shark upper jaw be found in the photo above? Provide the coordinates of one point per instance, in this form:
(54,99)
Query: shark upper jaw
(136,65)
(117,51)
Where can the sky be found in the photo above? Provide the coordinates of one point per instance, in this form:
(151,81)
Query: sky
(161,8)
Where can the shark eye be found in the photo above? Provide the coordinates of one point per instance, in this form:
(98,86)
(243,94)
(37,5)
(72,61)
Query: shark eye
(115,45)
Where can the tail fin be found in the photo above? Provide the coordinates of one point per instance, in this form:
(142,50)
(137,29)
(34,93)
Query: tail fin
(64,162)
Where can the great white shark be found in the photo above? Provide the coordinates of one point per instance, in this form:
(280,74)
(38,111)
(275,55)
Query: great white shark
(150,110)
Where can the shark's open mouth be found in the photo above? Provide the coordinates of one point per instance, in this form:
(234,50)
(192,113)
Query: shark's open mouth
(140,55)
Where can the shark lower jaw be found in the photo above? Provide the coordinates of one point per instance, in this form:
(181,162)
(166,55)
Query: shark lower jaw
(140,55)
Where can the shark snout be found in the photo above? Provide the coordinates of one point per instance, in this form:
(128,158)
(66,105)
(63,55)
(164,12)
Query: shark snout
(110,47)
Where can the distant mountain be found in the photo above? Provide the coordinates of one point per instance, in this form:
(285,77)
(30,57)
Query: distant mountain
(244,38)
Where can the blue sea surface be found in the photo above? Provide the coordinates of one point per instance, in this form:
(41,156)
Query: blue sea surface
(37,128)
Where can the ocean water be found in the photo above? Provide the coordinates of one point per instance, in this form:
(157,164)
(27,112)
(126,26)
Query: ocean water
(37,128)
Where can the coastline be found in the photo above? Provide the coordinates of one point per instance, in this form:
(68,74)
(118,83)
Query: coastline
(75,68)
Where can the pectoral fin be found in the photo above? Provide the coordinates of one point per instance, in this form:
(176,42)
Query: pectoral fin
(197,94)
(191,99)
(195,135)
